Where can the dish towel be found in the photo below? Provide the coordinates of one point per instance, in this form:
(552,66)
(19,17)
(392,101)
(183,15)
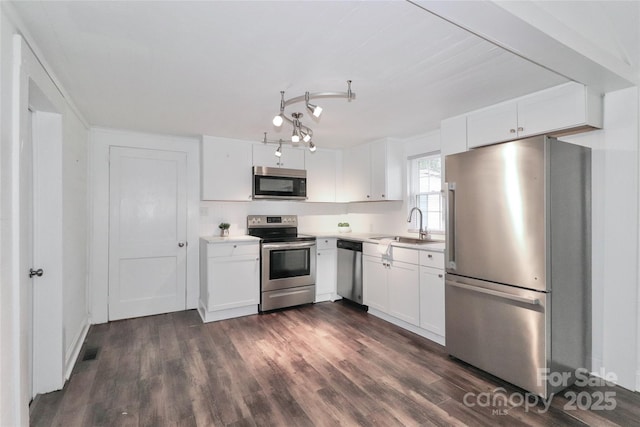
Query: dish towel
(384,246)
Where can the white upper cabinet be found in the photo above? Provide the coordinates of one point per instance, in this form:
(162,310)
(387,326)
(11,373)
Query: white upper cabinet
(264,155)
(225,169)
(373,171)
(453,135)
(563,109)
(494,124)
(322,167)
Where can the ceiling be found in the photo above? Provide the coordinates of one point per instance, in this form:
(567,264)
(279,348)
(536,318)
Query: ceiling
(217,67)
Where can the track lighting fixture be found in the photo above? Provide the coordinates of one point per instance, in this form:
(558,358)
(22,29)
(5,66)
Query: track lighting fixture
(301,131)
(316,110)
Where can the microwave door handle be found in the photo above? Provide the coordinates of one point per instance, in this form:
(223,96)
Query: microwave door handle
(288,245)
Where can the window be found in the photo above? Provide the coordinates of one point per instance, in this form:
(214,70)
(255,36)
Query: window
(425,185)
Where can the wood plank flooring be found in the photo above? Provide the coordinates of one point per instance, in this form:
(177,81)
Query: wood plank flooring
(325,364)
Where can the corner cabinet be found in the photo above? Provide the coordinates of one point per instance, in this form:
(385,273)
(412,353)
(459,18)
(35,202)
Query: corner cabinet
(225,169)
(373,172)
(563,109)
(229,279)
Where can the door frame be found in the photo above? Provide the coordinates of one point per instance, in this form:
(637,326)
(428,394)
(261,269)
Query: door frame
(100,142)
(32,87)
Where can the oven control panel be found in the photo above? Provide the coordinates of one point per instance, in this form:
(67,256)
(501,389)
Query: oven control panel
(257,221)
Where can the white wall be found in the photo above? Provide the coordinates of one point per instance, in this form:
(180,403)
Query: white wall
(615,197)
(9,405)
(71,173)
(75,236)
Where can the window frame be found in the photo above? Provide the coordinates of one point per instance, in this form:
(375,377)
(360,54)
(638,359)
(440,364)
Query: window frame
(412,195)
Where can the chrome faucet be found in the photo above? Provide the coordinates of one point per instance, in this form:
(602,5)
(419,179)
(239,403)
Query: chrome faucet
(422,234)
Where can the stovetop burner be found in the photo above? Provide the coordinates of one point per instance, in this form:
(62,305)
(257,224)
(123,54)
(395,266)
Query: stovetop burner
(276,228)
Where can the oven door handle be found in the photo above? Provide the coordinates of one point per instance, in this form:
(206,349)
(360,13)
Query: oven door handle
(288,245)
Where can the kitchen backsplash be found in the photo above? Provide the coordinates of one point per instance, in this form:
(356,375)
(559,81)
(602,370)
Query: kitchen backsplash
(371,217)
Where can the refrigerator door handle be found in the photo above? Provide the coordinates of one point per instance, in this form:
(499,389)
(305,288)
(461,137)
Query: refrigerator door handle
(451,225)
(530,301)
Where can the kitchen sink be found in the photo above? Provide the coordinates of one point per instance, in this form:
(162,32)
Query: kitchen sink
(410,240)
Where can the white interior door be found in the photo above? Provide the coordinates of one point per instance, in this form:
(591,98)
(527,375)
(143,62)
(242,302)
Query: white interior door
(147,232)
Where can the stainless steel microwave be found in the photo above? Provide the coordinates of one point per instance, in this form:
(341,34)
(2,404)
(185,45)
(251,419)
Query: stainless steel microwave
(279,183)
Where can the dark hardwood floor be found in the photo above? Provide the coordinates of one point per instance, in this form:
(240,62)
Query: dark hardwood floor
(324,364)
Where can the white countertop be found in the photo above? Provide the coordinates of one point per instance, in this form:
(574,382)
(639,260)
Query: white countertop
(231,239)
(368,237)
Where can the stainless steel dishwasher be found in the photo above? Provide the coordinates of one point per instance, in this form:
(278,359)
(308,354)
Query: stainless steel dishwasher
(350,270)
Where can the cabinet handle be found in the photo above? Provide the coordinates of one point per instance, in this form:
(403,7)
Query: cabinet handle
(181,244)
(235,246)
(368,196)
(258,259)
(429,256)
(512,131)
(440,276)
(319,254)
(520,129)
(326,241)
(383,196)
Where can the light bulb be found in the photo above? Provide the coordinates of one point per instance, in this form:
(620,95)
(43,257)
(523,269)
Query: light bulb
(306,137)
(312,146)
(277,120)
(295,138)
(316,110)
(278,152)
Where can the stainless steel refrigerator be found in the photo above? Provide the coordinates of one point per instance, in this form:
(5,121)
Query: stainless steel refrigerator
(518,261)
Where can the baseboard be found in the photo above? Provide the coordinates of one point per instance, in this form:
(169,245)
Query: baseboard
(74,350)
(214,316)
(408,326)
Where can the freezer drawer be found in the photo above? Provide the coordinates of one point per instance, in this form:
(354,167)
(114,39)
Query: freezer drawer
(497,328)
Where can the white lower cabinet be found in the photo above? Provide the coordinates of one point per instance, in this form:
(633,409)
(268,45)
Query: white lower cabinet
(432,300)
(229,280)
(406,288)
(326,269)
(375,289)
(404,292)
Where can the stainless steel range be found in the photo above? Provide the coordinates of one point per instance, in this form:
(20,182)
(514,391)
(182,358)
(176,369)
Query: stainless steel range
(288,262)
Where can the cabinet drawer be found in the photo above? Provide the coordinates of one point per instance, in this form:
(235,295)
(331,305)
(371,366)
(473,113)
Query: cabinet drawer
(232,249)
(432,259)
(325,243)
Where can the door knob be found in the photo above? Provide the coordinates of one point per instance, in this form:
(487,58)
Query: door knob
(181,244)
(39,272)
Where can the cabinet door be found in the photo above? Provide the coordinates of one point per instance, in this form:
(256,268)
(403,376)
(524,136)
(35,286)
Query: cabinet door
(453,135)
(225,169)
(264,155)
(374,284)
(404,292)
(233,282)
(432,300)
(357,173)
(326,274)
(378,170)
(493,124)
(553,109)
(321,175)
